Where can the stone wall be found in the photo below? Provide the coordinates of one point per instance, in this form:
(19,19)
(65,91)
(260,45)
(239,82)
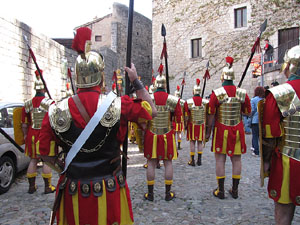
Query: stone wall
(113,30)
(17,75)
(213,21)
(141,54)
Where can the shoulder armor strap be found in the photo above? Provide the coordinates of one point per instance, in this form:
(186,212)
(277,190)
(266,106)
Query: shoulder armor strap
(113,113)
(28,105)
(221,94)
(60,116)
(45,104)
(172,102)
(240,94)
(286,99)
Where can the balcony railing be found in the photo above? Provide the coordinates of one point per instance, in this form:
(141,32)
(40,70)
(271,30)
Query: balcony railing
(273,61)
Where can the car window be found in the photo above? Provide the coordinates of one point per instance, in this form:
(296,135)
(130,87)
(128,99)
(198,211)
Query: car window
(3,114)
(9,119)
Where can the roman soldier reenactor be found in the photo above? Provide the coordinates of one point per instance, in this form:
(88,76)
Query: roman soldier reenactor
(92,187)
(226,106)
(159,142)
(32,117)
(178,123)
(195,114)
(281,137)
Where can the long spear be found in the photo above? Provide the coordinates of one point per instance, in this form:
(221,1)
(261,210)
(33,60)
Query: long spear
(205,77)
(36,65)
(164,54)
(127,81)
(71,81)
(182,84)
(255,47)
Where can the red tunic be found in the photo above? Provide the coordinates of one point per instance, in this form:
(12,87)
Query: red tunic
(32,134)
(178,120)
(111,206)
(284,180)
(161,146)
(228,140)
(194,132)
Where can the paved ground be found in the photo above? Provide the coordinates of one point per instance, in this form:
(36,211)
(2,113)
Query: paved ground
(193,186)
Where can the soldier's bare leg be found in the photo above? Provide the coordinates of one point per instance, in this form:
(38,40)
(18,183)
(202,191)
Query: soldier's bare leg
(150,179)
(32,166)
(236,174)
(192,153)
(31,175)
(236,164)
(220,164)
(169,179)
(284,213)
(178,134)
(151,169)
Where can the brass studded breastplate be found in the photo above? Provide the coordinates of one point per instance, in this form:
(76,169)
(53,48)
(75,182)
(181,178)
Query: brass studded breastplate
(229,112)
(197,112)
(161,124)
(36,114)
(289,106)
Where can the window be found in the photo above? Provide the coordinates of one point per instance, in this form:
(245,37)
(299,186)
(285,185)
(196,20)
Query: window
(240,17)
(98,38)
(196,47)
(287,39)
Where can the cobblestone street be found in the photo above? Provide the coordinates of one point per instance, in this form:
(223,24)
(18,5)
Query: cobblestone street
(194,202)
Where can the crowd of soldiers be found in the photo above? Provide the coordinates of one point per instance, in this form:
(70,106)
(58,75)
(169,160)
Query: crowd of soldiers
(81,136)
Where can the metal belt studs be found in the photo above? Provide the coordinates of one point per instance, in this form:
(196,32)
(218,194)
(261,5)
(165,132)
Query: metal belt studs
(110,184)
(273,193)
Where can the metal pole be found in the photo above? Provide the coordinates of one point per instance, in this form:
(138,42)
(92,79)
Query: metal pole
(262,69)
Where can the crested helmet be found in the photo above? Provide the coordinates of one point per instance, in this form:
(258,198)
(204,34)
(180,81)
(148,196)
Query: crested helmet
(89,66)
(227,73)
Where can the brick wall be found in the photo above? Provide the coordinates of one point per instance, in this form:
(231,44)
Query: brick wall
(17,75)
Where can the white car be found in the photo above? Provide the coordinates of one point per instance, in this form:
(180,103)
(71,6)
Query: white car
(12,160)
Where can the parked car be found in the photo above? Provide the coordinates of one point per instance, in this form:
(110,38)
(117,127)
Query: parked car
(12,160)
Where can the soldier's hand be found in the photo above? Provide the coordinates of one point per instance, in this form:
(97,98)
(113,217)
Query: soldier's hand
(132,74)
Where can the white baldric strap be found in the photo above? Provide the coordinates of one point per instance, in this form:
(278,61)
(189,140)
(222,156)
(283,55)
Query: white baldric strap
(89,128)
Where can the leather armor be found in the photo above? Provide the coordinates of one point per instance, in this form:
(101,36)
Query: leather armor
(98,157)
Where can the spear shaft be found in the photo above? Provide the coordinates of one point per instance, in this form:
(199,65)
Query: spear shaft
(127,81)
(37,66)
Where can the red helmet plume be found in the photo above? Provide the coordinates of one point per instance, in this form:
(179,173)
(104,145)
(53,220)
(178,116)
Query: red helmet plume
(83,34)
(197,81)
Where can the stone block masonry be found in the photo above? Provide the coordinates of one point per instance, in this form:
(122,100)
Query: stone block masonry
(214,23)
(17,75)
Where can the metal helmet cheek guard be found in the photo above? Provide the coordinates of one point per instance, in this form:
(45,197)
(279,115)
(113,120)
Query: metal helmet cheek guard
(228,73)
(197,88)
(38,83)
(292,59)
(89,69)
(161,81)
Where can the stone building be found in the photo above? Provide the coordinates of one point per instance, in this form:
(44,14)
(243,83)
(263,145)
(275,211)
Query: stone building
(109,37)
(210,30)
(17,70)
